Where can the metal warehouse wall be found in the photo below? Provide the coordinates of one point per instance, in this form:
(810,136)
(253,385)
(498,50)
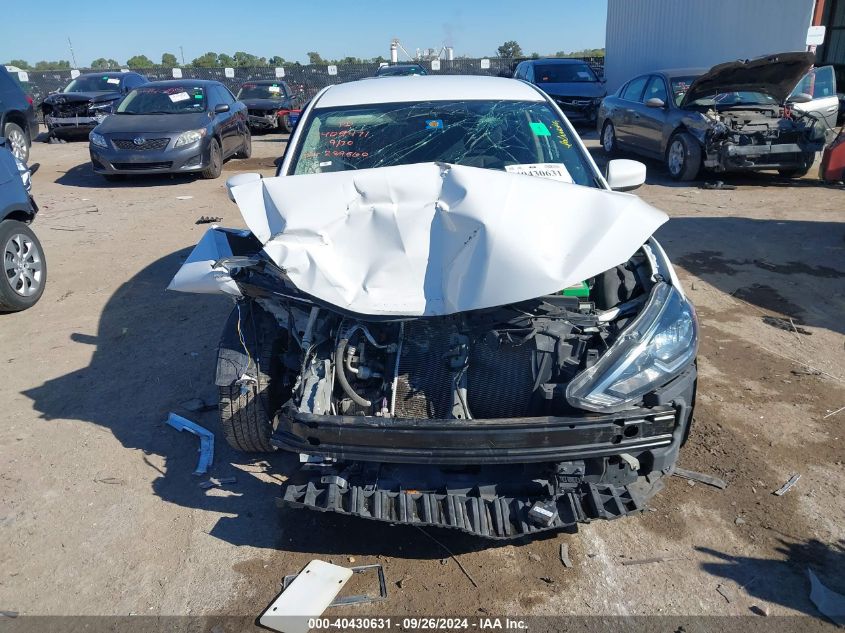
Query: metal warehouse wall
(644,35)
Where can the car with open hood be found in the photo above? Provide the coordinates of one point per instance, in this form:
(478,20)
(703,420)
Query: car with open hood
(571,83)
(86,101)
(771,113)
(179,126)
(269,103)
(444,308)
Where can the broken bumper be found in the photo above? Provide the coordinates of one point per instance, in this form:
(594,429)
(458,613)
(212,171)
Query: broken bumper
(266,122)
(74,124)
(731,157)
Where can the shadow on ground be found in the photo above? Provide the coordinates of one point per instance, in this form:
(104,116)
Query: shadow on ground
(784,267)
(783,581)
(154,350)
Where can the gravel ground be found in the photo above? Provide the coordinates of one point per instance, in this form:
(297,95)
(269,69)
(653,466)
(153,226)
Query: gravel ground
(100,515)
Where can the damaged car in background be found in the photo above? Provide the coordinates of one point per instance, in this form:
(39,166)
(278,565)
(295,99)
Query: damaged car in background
(270,103)
(86,101)
(443,308)
(772,113)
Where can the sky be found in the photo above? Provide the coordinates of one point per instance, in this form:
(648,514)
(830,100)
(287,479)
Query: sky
(291,28)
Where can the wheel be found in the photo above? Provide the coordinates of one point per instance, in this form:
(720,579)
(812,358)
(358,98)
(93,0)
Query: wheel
(18,143)
(215,161)
(799,172)
(246,411)
(246,151)
(608,138)
(24,267)
(284,124)
(683,157)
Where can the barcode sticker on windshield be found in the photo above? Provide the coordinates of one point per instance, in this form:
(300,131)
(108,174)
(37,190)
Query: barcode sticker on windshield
(179,96)
(552,171)
(113,80)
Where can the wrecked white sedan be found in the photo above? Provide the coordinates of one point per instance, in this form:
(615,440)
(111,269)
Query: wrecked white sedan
(445,310)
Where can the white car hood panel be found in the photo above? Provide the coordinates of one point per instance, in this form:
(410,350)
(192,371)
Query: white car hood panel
(431,239)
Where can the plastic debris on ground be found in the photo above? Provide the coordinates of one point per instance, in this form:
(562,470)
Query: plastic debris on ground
(215,482)
(206,449)
(710,480)
(208,219)
(786,487)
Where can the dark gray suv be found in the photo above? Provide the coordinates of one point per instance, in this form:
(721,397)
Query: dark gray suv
(18,123)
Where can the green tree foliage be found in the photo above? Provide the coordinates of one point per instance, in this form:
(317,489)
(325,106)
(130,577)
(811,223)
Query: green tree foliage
(57,65)
(276,60)
(510,50)
(587,52)
(168,60)
(140,61)
(20,63)
(315,58)
(209,60)
(103,63)
(243,60)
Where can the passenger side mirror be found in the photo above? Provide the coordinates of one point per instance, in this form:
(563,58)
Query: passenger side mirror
(220,108)
(624,174)
(800,97)
(656,102)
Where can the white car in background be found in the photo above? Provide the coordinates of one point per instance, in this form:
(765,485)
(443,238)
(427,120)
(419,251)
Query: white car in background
(444,308)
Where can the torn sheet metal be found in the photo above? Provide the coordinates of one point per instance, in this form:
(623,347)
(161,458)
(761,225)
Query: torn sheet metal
(199,274)
(432,239)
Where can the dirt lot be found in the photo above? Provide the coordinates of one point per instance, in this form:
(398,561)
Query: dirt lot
(99,512)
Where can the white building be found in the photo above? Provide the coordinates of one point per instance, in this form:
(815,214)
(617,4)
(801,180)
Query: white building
(645,35)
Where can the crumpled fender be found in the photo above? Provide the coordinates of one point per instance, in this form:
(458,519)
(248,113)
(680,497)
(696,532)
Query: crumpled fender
(199,273)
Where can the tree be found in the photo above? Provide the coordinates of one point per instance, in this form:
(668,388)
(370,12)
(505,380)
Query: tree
(243,60)
(510,50)
(20,63)
(315,58)
(58,65)
(209,60)
(168,60)
(101,63)
(140,61)
(227,61)
(276,60)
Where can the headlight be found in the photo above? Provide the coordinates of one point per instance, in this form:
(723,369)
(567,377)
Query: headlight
(105,106)
(650,351)
(186,138)
(98,139)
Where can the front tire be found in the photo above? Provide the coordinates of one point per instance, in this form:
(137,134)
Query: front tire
(24,273)
(799,172)
(17,140)
(284,124)
(215,161)
(608,138)
(683,157)
(246,150)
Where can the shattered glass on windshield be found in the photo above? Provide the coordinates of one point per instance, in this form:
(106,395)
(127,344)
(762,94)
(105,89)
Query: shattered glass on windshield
(486,134)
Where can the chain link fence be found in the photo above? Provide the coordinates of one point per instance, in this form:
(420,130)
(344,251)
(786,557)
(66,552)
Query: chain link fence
(304,80)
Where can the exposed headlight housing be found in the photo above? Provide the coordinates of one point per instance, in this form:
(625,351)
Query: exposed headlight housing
(186,138)
(98,139)
(649,352)
(105,106)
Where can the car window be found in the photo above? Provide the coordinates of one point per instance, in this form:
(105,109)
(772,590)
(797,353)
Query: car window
(171,99)
(563,73)
(133,81)
(634,90)
(261,91)
(487,134)
(656,89)
(679,87)
(818,83)
(94,83)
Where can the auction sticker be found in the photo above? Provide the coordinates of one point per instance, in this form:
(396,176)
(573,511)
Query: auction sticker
(179,96)
(552,171)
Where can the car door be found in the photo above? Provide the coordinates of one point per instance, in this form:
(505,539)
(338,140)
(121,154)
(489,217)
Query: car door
(647,131)
(224,122)
(820,84)
(627,117)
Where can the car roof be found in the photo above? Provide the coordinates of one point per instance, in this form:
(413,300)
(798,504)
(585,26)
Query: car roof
(107,73)
(182,82)
(428,88)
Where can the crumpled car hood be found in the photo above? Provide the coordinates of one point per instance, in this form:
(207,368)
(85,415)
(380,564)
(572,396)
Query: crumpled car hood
(774,75)
(433,239)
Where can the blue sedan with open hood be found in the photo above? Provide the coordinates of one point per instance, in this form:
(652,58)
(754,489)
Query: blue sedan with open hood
(178,126)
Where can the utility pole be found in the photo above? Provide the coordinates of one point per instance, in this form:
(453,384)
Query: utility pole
(182,53)
(72,55)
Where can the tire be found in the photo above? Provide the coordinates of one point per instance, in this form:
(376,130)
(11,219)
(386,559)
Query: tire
(608,138)
(246,411)
(799,172)
(17,141)
(284,124)
(683,157)
(215,161)
(246,151)
(24,270)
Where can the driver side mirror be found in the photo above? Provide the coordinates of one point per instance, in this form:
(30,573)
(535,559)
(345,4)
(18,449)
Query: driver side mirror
(800,97)
(220,108)
(624,174)
(655,102)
